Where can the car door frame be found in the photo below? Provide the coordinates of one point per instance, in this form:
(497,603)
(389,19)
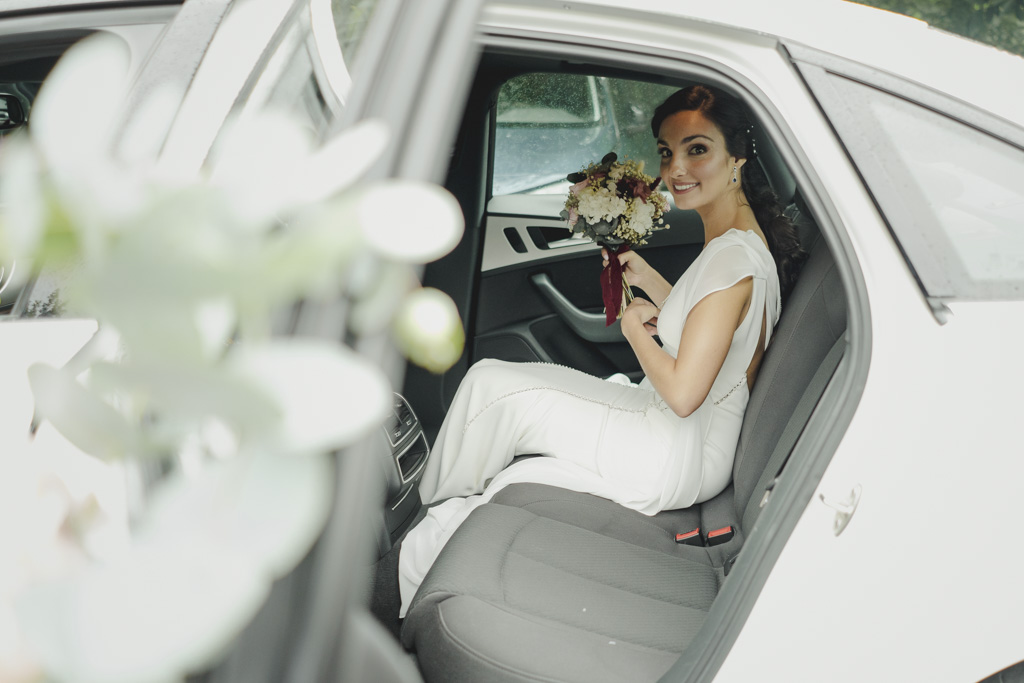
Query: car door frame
(824,432)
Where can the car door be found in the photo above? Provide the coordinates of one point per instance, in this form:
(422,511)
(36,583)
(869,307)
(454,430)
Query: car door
(335,63)
(224,60)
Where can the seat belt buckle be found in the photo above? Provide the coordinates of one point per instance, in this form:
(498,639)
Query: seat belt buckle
(768,492)
(690,538)
(720,536)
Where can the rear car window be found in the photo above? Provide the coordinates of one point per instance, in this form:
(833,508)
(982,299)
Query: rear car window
(548,125)
(951,193)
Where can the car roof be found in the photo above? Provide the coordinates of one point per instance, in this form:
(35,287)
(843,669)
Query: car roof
(975,73)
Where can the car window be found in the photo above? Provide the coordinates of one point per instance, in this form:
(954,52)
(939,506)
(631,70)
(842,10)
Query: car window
(550,124)
(351,17)
(20,79)
(951,193)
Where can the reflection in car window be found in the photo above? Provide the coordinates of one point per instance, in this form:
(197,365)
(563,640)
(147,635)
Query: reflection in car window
(351,18)
(44,298)
(960,190)
(550,124)
(542,99)
(16,99)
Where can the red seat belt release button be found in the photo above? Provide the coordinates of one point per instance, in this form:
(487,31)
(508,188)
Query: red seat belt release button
(690,538)
(719,536)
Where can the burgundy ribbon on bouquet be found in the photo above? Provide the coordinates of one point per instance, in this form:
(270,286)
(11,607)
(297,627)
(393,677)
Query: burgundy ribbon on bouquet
(611,283)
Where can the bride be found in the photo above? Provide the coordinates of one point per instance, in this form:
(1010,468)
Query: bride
(668,442)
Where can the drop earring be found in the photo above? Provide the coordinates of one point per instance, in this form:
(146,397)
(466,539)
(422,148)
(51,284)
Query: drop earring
(734,179)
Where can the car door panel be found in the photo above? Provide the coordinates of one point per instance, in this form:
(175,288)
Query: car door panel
(538,302)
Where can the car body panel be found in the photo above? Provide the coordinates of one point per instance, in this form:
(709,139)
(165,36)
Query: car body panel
(922,584)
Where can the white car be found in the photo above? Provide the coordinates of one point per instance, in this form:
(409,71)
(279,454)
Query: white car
(876,483)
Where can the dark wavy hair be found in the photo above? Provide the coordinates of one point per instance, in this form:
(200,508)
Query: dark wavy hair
(729,114)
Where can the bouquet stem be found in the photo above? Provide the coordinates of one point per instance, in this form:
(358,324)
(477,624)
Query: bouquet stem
(627,295)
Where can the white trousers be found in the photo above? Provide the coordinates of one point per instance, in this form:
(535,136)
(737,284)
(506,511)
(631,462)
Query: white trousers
(600,437)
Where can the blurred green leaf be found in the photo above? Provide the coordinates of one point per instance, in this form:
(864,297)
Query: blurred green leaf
(995,22)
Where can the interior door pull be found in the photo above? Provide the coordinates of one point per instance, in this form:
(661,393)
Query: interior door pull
(569,242)
(590,326)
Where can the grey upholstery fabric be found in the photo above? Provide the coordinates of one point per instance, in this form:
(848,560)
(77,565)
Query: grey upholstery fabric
(601,515)
(813,318)
(612,520)
(543,584)
(519,596)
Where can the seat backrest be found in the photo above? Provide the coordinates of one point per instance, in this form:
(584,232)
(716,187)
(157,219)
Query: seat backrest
(813,318)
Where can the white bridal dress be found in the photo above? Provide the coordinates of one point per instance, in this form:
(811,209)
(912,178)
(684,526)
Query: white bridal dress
(614,440)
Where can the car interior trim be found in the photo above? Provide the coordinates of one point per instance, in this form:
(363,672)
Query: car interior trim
(590,326)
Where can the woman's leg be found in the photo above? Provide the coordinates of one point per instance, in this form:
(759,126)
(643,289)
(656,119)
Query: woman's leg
(478,437)
(505,409)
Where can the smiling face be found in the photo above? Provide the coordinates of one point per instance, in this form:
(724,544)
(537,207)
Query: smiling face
(695,163)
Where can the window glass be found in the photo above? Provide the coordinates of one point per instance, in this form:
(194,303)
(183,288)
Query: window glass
(546,99)
(351,17)
(953,194)
(16,100)
(549,125)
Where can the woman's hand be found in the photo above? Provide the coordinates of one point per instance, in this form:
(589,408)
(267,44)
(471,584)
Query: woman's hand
(641,313)
(635,269)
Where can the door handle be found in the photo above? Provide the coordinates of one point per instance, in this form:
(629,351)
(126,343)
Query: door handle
(844,508)
(590,326)
(569,242)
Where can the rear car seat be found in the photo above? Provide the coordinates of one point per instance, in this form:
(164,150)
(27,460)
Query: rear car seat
(547,584)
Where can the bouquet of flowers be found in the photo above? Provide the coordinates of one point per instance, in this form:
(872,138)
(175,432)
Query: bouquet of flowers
(617,205)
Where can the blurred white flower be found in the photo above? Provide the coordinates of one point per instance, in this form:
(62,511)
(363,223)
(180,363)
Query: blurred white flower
(151,578)
(431,228)
(155,615)
(266,509)
(327,395)
(429,330)
(50,523)
(84,419)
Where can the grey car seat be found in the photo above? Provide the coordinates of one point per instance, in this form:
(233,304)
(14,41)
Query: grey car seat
(553,585)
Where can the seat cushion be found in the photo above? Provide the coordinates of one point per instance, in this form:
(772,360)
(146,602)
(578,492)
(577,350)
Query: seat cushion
(601,515)
(521,596)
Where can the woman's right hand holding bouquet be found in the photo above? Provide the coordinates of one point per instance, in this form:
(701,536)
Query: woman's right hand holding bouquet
(639,273)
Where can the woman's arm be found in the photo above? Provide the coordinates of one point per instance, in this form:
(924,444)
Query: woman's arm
(684,381)
(640,274)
